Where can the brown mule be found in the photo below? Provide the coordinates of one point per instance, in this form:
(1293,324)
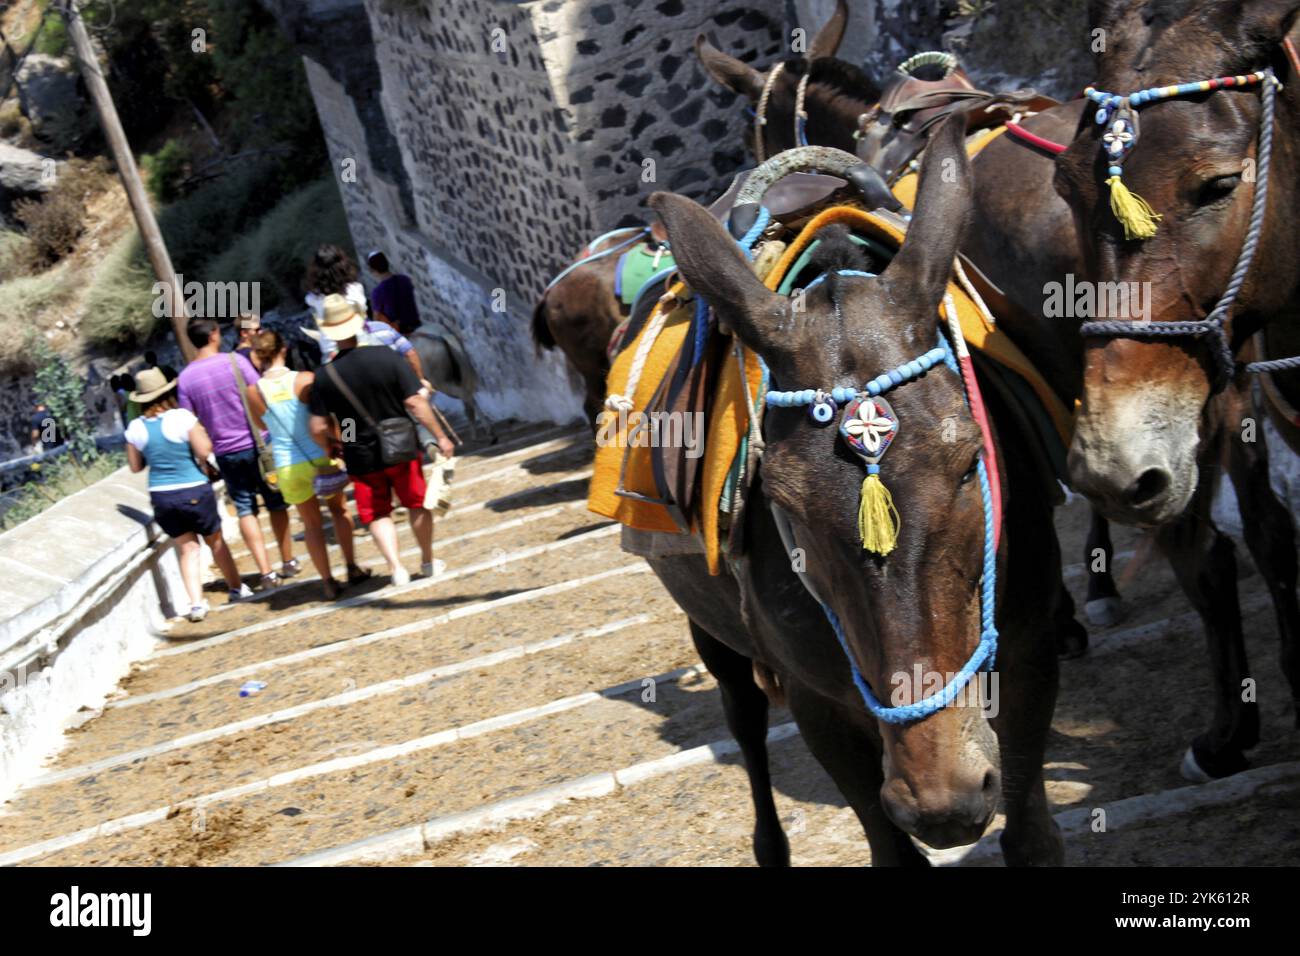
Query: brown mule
(1151,427)
(1024,237)
(938,779)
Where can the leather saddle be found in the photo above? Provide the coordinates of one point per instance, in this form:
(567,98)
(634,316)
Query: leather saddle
(896,130)
(799,196)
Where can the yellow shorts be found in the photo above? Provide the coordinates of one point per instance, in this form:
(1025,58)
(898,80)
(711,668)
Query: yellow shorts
(295,479)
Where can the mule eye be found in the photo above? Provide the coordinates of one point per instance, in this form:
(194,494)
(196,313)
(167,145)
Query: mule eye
(1220,187)
(973,470)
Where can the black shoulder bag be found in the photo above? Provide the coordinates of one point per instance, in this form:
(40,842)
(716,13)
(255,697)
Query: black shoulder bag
(398,442)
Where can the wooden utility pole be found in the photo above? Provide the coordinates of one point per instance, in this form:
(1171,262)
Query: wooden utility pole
(130,173)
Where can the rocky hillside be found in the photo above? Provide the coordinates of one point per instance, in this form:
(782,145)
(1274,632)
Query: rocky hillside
(227,139)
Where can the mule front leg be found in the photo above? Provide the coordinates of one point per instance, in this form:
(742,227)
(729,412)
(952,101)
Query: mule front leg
(1270,535)
(746,708)
(1103,606)
(851,754)
(1205,564)
(1025,700)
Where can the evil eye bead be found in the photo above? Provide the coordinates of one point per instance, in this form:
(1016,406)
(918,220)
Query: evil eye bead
(1103,114)
(823,409)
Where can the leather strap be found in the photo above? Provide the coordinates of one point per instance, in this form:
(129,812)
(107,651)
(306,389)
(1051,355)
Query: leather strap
(243,398)
(352,399)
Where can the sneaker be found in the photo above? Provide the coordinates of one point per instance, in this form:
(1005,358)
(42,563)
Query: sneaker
(401,577)
(270,581)
(290,568)
(198,612)
(242,594)
(431,569)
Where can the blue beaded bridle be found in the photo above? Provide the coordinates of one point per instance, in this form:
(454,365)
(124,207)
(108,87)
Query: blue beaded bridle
(1120,113)
(824,405)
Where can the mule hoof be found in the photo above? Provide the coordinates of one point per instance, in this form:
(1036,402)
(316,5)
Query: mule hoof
(1202,766)
(1191,770)
(1104,612)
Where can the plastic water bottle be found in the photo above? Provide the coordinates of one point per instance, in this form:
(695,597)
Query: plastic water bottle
(251,687)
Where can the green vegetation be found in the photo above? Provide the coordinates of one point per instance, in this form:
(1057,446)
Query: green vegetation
(118,312)
(223,59)
(166,169)
(53,36)
(275,252)
(54,481)
(63,393)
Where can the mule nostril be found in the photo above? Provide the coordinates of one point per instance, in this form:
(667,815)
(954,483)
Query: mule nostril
(1151,484)
(992,783)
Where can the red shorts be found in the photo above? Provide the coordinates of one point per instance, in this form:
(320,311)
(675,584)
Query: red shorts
(374,492)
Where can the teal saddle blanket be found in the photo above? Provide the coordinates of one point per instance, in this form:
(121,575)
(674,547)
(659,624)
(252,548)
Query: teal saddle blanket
(637,266)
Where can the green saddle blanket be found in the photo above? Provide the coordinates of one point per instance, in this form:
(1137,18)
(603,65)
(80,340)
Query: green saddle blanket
(637,266)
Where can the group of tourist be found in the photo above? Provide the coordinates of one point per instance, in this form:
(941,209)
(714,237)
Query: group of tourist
(280,437)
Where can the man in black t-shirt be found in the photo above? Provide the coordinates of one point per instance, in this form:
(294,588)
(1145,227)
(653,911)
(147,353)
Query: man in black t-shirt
(359,389)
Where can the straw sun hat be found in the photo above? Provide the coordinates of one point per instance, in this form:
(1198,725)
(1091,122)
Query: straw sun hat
(150,385)
(339,318)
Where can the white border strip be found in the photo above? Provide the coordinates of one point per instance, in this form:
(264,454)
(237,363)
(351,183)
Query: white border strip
(358,695)
(1142,809)
(386,593)
(420,837)
(377,755)
(467,610)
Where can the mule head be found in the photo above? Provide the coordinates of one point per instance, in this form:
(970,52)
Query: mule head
(915,611)
(1138,432)
(837,92)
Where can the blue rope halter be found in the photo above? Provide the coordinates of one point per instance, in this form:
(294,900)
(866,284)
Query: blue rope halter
(1120,110)
(824,403)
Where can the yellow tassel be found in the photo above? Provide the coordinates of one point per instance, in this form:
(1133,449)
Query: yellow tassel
(878,519)
(1139,219)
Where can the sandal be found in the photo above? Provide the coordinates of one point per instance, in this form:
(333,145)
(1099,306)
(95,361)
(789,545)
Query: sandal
(357,574)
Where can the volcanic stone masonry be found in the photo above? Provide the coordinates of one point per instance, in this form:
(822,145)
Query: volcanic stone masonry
(481,143)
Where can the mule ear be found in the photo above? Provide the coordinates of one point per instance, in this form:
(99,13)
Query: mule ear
(940,217)
(831,35)
(728,71)
(712,264)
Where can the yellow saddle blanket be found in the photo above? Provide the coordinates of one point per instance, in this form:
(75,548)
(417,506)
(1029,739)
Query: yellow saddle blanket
(728,420)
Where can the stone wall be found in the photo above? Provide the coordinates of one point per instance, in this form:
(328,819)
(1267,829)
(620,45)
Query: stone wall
(86,586)
(480,143)
(1038,43)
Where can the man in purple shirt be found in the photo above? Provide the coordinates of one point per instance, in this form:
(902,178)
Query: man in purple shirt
(393,299)
(209,389)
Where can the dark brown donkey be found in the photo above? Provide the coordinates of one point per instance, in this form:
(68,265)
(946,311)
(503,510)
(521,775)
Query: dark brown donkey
(580,312)
(1024,237)
(1153,426)
(937,778)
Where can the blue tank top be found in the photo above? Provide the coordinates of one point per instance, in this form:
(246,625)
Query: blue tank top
(171,463)
(289,422)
